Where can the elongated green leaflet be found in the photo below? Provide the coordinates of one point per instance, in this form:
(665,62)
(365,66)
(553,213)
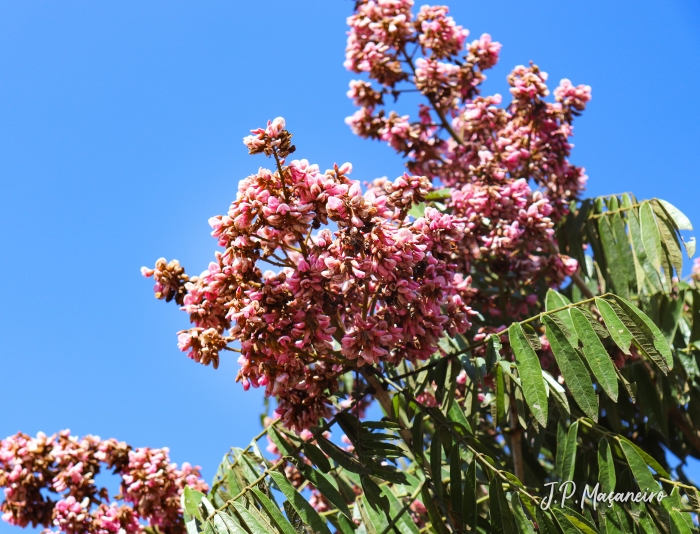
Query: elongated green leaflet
(567,446)
(324,485)
(616,269)
(250,521)
(571,521)
(274,513)
(300,504)
(314,454)
(501,516)
(650,235)
(456,480)
(404,522)
(469,506)
(606,467)
(224,524)
(572,369)
(639,468)
(597,357)
(624,248)
(618,331)
(436,461)
(523,524)
(555,300)
(190,502)
(530,373)
(658,350)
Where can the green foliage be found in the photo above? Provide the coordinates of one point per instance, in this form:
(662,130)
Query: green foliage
(460,455)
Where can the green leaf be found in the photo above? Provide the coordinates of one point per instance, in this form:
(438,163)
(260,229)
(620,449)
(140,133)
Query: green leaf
(616,269)
(404,522)
(439,194)
(368,515)
(561,449)
(695,318)
(618,331)
(523,524)
(438,524)
(555,300)
(606,467)
(545,523)
(190,502)
(374,496)
(500,397)
(417,438)
(493,351)
(597,327)
(640,471)
(530,372)
(233,483)
(206,506)
(597,357)
(650,400)
(650,235)
(532,337)
(647,268)
(302,507)
(250,521)
(649,338)
(285,447)
(501,516)
(225,524)
(669,240)
(670,315)
(566,452)
(567,519)
(615,520)
(690,247)
(624,249)
(456,480)
(650,461)
(313,453)
(273,512)
(326,487)
(342,458)
(679,219)
(681,522)
(456,415)
(469,506)
(294,518)
(558,394)
(417,210)
(572,369)
(345,526)
(436,461)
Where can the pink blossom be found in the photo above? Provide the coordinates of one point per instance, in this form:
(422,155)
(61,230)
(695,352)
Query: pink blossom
(66,465)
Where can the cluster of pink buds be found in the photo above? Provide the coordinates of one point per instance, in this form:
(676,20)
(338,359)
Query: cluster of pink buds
(508,166)
(317,278)
(31,468)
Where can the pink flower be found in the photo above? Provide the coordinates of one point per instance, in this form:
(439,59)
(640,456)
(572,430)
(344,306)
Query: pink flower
(66,465)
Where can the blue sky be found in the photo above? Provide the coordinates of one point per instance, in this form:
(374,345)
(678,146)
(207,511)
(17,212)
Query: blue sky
(120,135)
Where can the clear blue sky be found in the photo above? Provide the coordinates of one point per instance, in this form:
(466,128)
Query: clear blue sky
(120,134)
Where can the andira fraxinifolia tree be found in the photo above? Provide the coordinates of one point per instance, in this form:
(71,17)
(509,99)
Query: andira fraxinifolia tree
(515,335)
(534,353)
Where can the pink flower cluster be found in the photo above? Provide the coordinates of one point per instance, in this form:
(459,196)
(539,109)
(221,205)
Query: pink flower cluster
(350,280)
(316,277)
(508,167)
(67,465)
